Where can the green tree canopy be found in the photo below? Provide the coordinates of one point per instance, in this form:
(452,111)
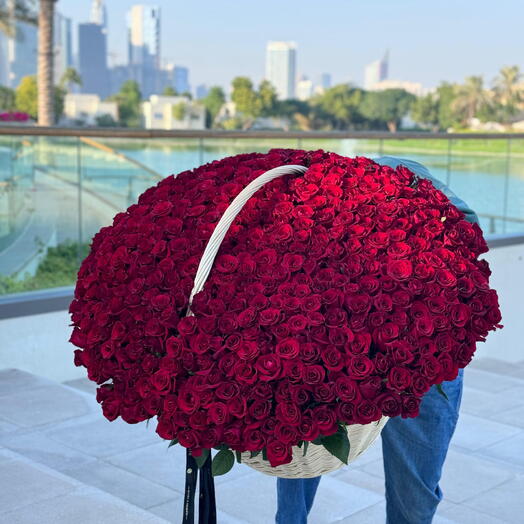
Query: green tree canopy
(69,77)
(214,100)
(425,111)
(7,99)
(266,99)
(128,99)
(387,107)
(338,108)
(179,111)
(169,91)
(244,96)
(470,97)
(26,96)
(509,93)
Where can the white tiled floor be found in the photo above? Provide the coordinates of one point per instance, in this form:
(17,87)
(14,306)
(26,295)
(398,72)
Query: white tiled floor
(62,462)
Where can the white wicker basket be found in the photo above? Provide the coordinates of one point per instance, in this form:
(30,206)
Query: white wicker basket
(317,460)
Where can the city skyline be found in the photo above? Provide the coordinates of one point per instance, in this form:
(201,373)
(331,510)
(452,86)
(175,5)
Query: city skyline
(218,41)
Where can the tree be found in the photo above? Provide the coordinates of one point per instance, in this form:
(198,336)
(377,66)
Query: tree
(425,111)
(7,99)
(244,96)
(213,102)
(446,94)
(105,120)
(337,108)
(169,91)
(387,107)
(128,100)
(26,96)
(508,92)
(470,97)
(70,77)
(267,99)
(46,109)
(179,111)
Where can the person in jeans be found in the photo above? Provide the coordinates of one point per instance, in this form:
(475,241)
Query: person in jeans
(414,449)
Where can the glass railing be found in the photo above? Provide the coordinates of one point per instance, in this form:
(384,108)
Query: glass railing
(59,187)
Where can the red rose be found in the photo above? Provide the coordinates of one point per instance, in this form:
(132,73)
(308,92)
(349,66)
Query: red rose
(399,270)
(278,453)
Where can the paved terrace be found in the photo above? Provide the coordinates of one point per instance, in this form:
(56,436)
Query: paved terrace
(62,462)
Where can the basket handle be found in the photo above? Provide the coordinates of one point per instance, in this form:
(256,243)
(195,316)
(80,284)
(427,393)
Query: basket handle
(227,218)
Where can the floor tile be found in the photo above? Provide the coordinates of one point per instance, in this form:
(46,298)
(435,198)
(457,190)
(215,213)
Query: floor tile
(510,451)
(102,438)
(512,417)
(474,432)
(13,380)
(466,515)
(42,405)
(167,466)
(465,476)
(85,507)
(44,450)
(487,381)
(334,500)
(172,512)
(83,384)
(24,484)
(122,484)
(505,501)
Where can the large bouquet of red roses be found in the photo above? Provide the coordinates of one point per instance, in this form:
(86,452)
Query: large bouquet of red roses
(337,297)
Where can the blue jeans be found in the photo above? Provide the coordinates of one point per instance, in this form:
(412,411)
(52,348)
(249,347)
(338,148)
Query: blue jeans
(414,451)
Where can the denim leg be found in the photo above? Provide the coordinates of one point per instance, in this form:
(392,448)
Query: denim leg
(295,499)
(414,451)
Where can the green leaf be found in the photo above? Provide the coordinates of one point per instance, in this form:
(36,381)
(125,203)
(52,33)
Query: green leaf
(264,454)
(318,441)
(200,460)
(255,453)
(239,457)
(441,391)
(300,443)
(338,445)
(306,444)
(222,462)
(173,442)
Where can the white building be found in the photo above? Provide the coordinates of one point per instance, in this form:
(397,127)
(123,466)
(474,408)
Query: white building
(414,88)
(281,68)
(304,88)
(376,72)
(173,112)
(86,108)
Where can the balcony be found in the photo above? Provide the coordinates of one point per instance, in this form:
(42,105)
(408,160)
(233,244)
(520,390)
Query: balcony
(63,461)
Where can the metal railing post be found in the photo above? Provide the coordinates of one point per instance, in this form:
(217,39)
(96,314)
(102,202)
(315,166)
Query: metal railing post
(506,186)
(448,164)
(80,218)
(200,151)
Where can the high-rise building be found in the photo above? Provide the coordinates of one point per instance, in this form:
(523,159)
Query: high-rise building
(376,72)
(281,68)
(22,51)
(201,91)
(99,13)
(92,59)
(144,47)
(181,79)
(325,80)
(304,88)
(63,46)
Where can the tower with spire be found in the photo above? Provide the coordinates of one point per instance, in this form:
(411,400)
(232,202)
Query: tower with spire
(99,13)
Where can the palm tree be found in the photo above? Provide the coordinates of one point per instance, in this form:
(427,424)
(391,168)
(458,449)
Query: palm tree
(471,96)
(46,15)
(509,91)
(12,11)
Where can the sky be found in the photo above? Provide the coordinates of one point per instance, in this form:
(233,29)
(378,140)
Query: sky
(428,41)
